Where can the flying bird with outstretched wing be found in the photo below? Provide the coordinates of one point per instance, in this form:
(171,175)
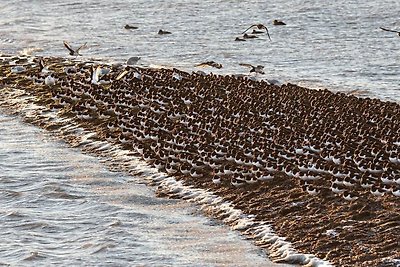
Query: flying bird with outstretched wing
(256,69)
(73,52)
(260,27)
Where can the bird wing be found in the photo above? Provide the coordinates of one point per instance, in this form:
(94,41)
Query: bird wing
(68,47)
(246,65)
(210,63)
(81,47)
(98,73)
(121,75)
(389,30)
(94,75)
(249,28)
(268,33)
(202,64)
(41,65)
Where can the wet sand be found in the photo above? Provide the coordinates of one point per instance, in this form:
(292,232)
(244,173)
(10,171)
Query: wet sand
(336,133)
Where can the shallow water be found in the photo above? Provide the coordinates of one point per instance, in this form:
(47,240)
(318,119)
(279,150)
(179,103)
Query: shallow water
(58,206)
(336,45)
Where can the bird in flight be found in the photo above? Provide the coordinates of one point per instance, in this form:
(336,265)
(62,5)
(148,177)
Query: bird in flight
(210,63)
(42,67)
(260,27)
(73,52)
(398,32)
(256,69)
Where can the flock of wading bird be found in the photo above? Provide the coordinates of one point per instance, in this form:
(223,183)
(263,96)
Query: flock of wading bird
(229,130)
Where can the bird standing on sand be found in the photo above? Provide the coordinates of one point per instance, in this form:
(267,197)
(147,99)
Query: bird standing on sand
(18,69)
(398,32)
(73,52)
(349,196)
(260,27)
(49,81)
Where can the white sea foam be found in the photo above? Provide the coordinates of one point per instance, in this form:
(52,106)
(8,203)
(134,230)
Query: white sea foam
(30,50)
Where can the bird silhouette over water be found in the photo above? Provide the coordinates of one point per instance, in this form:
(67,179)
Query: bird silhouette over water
(260,27)
(73,52)
(130,27)
(211,64)
(249,36)
(278,22)
(398,32)
(257,31)
(163,32)
(255,69)
(239,39)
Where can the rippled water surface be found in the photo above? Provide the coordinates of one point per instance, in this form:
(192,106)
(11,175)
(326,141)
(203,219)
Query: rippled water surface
(330,44)
(60,207)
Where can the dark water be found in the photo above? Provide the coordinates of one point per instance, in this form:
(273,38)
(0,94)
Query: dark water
(329,44)
(61,207)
